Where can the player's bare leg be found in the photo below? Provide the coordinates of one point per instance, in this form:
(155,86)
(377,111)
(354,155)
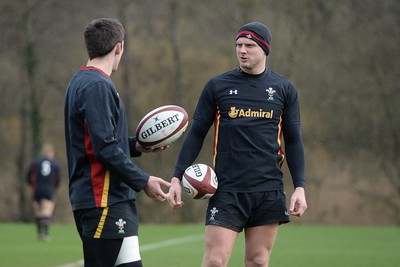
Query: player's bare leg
(219,243)
(43,212)
(259,243)
(46,207)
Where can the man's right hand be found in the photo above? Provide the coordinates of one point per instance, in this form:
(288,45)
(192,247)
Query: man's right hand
(175,194)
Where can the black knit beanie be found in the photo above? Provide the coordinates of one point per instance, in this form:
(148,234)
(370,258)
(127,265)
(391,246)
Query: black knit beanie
(257,32)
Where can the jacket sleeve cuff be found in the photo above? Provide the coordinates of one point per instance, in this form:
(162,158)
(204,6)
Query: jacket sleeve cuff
(132,147)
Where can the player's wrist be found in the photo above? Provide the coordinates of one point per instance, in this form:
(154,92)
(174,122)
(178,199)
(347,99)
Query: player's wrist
(299,188)
(175,180)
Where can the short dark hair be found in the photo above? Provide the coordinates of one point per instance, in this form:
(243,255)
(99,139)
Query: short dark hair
(101,36)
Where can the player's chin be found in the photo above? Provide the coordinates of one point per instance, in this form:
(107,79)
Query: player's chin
(245,66)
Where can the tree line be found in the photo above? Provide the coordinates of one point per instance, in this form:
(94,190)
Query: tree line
(341,55)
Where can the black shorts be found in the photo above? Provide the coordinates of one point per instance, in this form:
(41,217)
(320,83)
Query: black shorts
(43,194)
(237,211)
(116,221)
(109,235)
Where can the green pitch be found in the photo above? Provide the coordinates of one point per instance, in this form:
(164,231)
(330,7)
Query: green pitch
(182,246)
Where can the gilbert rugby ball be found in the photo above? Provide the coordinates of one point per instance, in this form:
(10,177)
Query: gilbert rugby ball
(162,126)
(200,181)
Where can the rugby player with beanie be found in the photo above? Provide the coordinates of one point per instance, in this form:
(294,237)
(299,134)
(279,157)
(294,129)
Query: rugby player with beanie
(254,111)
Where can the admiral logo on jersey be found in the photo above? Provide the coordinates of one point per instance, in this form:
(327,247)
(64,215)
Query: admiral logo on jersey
(249,113)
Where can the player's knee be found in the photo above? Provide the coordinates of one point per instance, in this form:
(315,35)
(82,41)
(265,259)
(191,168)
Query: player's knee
(215,260)
(214,263)
(257,261)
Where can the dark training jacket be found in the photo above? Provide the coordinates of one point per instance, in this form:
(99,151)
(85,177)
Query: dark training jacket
(99,149)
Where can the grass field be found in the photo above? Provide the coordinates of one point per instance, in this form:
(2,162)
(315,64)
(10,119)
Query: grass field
(182,246)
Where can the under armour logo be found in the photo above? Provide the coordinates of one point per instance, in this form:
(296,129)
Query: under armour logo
(231,92)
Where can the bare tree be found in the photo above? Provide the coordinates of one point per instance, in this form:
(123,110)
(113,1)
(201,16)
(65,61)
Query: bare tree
(30,115)
(176,53)
(342,56)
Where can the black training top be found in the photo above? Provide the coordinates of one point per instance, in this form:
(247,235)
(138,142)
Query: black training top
(98,147)
(251,114)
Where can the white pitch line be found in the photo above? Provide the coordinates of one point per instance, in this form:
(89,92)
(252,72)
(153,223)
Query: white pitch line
(151,246)
(172,242)
(73,264)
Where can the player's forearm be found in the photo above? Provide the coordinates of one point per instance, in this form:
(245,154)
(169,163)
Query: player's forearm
(296,163)
(190,148)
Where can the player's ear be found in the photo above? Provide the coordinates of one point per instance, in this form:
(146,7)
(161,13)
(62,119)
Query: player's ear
(119,48)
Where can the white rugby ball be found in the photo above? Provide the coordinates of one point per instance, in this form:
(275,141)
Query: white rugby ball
(200,181)
(162,126)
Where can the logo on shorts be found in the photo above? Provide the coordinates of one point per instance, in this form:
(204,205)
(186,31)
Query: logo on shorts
(286,213)
(120,223)
(213,212)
